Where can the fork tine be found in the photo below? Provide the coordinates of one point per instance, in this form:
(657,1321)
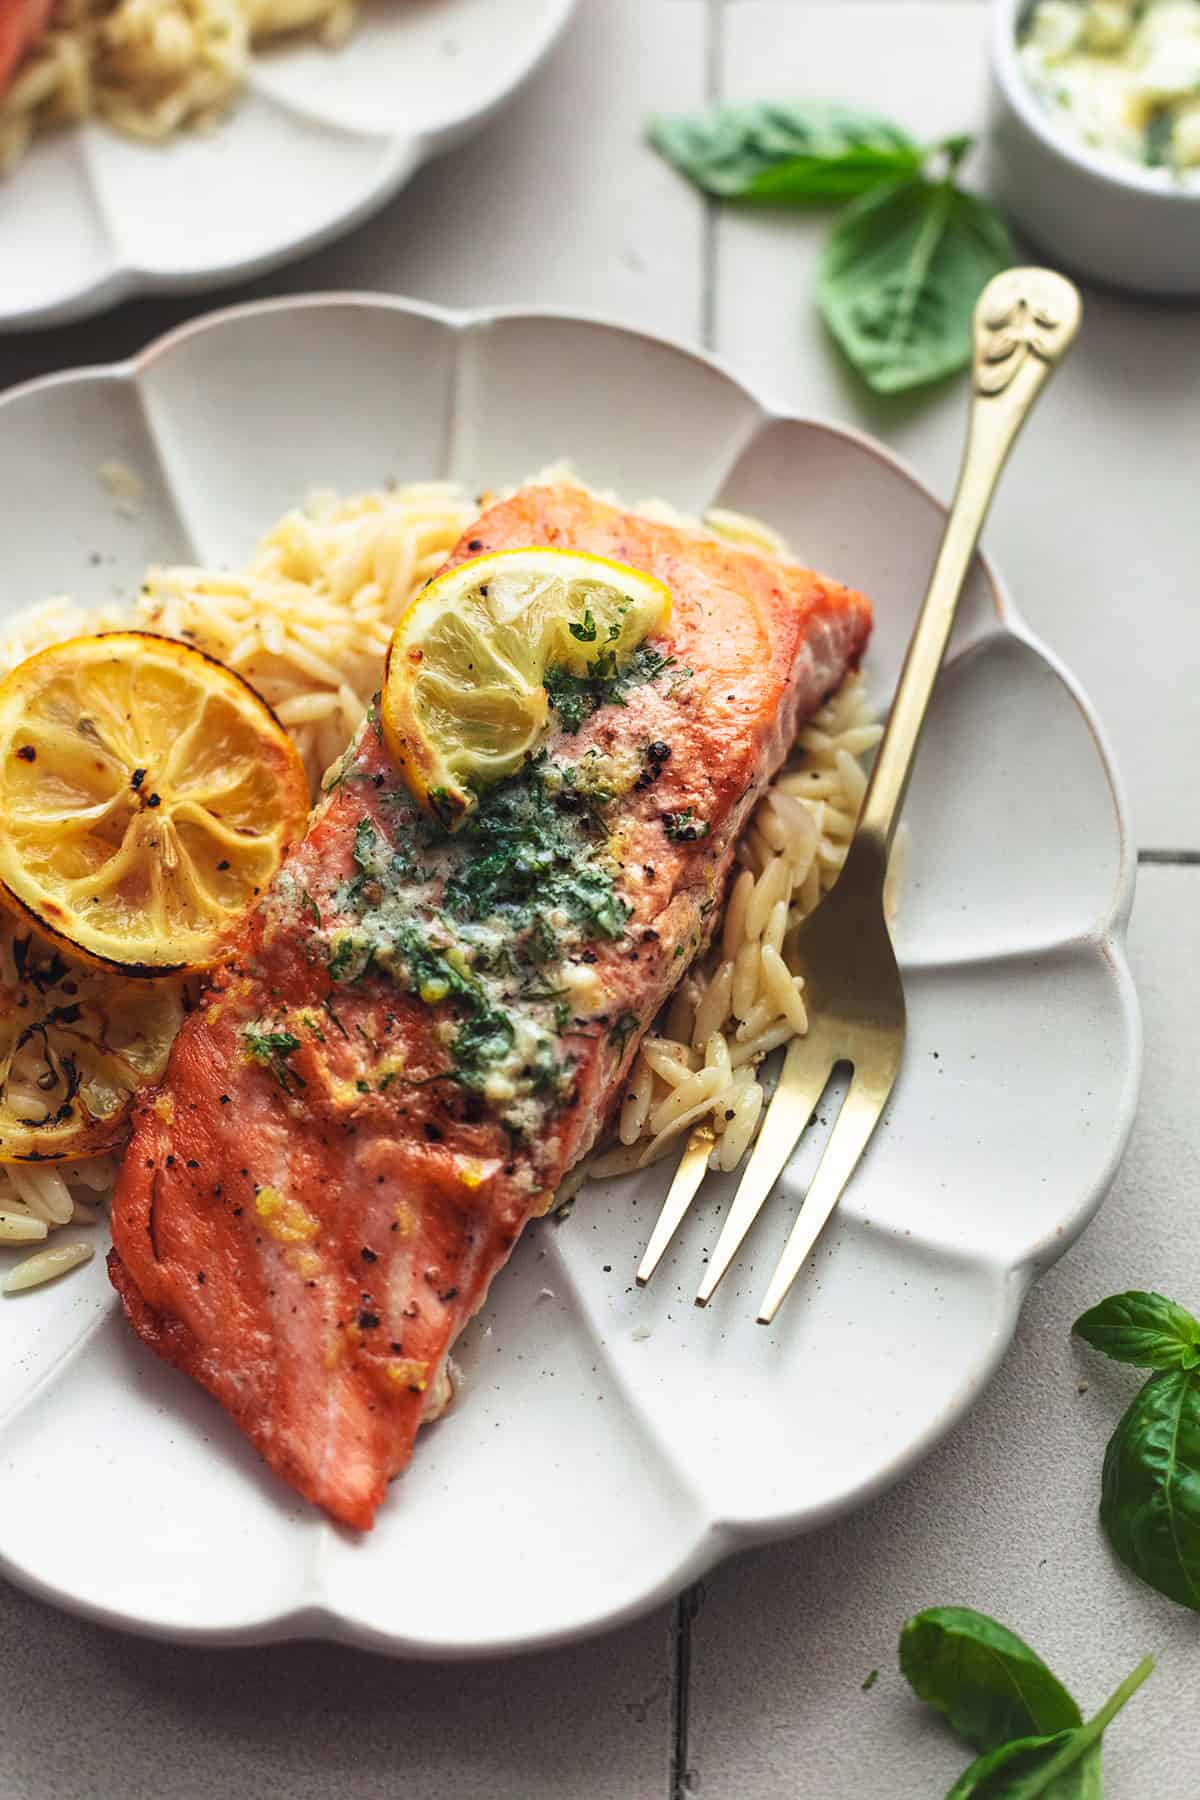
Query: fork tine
(802,1081)
(851,1133)
(689,1173)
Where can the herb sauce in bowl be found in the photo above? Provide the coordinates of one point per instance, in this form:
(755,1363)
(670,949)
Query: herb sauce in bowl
(1122,76)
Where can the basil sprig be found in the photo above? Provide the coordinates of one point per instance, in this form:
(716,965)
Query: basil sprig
(1150,1488)
(784,151)
(1001,1697)
(908,258)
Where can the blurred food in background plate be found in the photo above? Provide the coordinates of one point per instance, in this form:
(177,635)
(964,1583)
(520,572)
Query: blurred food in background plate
(148,67)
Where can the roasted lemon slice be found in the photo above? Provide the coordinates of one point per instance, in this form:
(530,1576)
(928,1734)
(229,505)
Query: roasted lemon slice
(146,797)
(76,1043)
(464,698)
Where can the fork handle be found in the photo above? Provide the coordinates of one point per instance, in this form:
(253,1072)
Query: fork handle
(1025,321)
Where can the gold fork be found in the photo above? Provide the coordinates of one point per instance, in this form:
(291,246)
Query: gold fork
(1025,321)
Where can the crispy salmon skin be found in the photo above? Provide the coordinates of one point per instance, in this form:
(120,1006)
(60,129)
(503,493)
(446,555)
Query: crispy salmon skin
(421,1034)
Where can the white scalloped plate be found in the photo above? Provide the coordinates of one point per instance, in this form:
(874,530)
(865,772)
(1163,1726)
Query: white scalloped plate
(610,1443)
(316,142)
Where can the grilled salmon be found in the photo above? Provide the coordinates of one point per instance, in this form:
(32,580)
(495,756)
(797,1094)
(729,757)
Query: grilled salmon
(421,1034)
(22,24)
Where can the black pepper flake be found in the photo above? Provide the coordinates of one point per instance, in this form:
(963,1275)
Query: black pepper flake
(27,753)
(170,1162)
(222,866)
(475,544)
(368,1321)
(432,1133)
(149,1162)
(136,779)
(153,800)
(192,1163)
(397,1349)
(589,956)
(450,1293)
(200,1276)
(368,1255)
(224,1099)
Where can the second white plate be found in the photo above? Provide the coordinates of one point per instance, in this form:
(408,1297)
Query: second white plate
(317,141)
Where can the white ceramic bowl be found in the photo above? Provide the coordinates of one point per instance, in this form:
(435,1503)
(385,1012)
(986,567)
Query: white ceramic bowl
(1102,217)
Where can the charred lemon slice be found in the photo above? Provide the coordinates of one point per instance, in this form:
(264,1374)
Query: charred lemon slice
(464,696)
(76,1044)
(147,795)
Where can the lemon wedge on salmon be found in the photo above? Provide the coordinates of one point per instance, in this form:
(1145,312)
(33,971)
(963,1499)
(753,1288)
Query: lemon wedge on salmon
(147,795)
(464,695)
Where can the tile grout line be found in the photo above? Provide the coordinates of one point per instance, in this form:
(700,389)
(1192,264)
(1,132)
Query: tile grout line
(679,1785)
(714,45)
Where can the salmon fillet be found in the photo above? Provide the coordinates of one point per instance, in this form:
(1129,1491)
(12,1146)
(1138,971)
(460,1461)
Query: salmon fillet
(22,24)
(420,1035)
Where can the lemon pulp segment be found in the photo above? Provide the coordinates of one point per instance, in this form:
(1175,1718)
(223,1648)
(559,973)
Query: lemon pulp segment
(76,1044)
(147,795)
(464,699)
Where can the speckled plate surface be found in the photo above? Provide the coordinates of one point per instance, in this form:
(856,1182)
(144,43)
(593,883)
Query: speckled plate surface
(317,141)
(609,1443)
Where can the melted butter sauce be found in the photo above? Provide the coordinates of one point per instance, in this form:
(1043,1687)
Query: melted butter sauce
(1121,76)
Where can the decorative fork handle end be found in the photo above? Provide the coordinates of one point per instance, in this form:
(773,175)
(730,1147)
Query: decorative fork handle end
(1022,315)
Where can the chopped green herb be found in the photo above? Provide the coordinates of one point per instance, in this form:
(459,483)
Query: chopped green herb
(585,633)
(311,904)
(365,839)
(541,946)
(683,827)
(576,697)
(271,1049)
(623,1030)
(530,855)
(349,957)
(481,1041)
(1158,138)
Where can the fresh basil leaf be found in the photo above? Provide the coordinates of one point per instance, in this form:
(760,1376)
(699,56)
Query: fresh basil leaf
(988,1683)
(1150,1493)
(1006,1772)
(1063,1767)
(1144,1329)
(900,276)
(784,151)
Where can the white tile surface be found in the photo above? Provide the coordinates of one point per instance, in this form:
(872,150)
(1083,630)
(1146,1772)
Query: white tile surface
(92,1715)
(559,202)
(1002,1517)
(1094,526)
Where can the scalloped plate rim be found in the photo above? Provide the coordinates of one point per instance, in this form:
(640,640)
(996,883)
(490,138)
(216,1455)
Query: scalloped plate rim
(716,1538)
(404,154)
